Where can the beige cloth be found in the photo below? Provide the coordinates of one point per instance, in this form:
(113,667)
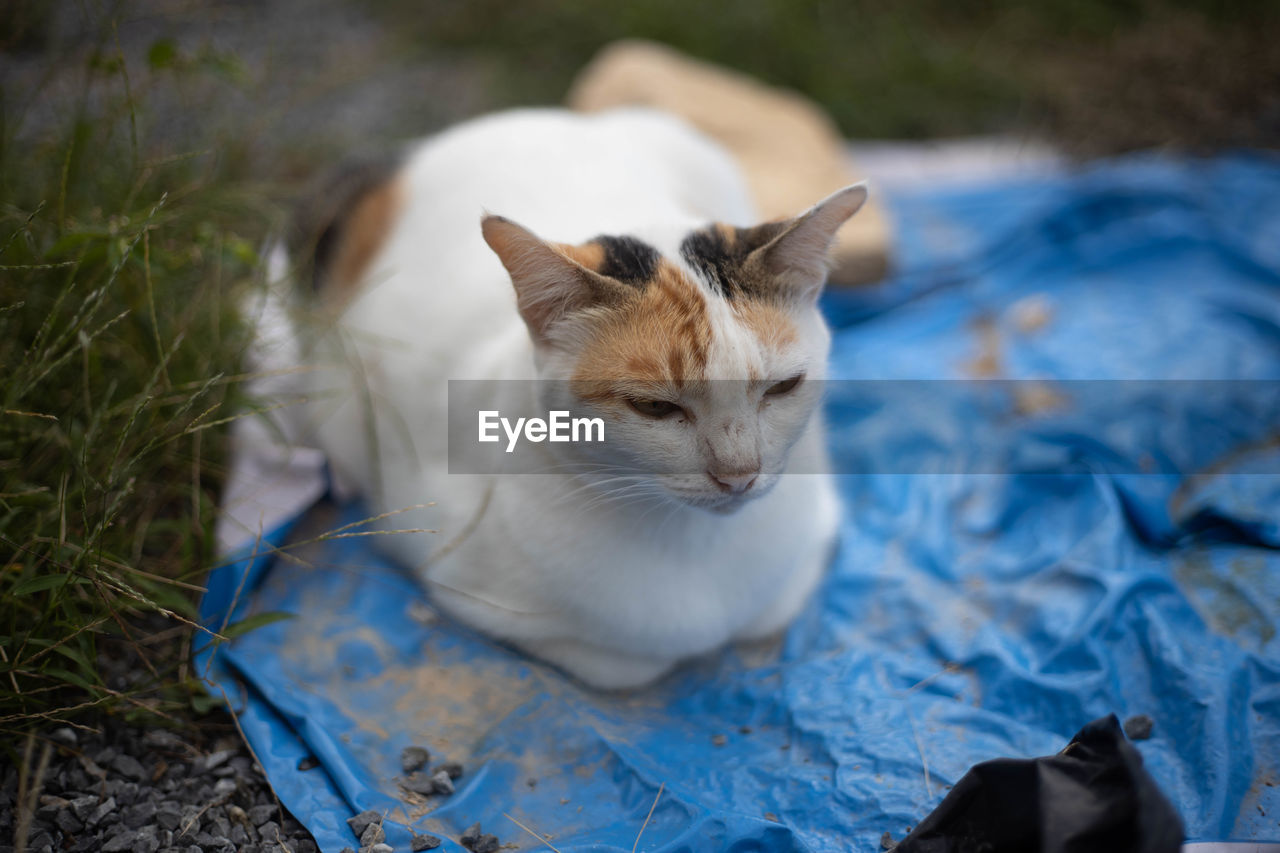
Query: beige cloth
(790,151)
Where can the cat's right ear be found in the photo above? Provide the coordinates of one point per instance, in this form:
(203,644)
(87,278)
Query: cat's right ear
(549,284)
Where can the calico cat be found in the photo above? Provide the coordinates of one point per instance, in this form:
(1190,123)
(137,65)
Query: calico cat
(617,255)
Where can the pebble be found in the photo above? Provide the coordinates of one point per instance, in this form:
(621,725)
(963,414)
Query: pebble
(887,842)
(418,843)
(141,814)
(413,758)
(373,834)
(453,768)
(486,844)
(442,783)
(102,811)
(419,783)
(1138,727)
(470,835)
(214,759)
(360,821)
(477,842)
(127,765)
(258,815)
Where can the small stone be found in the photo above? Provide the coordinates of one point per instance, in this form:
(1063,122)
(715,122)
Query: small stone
(470,835)
(887,842)
(130,767)
(224,787)
(146,840)
(1138,727)
(123,841)
(373,834)
(83,807)
(453,768)
(418,843)
(239,836)
(442,783)
(188,823)
(360,821)
(213,759)
(102,811)
(67,822)
(168,815)
(258,815)
(162,739)
(419,783)
(719,740)
(377,848)
(413,758)
(105,755)
(140,815)
(269,831)
(486,844)
(308,763)
(346,850)
(65,735)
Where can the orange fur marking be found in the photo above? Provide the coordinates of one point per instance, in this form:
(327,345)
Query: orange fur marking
(364,232)
(656,341)
(589,255)
(772,325)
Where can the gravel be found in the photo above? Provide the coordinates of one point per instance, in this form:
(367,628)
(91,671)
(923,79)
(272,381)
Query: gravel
(124,788)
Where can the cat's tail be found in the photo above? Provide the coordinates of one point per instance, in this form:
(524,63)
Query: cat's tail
(340,220)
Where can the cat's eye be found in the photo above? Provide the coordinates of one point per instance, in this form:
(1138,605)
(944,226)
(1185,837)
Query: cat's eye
(654,408)
(785,386)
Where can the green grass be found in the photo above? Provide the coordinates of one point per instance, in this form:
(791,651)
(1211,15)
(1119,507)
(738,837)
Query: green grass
(119,265)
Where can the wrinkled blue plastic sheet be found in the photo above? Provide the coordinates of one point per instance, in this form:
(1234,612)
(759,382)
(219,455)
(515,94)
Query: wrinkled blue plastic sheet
(966,616)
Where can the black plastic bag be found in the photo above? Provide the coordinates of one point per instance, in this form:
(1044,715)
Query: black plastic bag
(1093,797)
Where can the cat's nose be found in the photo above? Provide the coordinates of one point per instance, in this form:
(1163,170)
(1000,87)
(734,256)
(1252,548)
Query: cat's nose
(734,482)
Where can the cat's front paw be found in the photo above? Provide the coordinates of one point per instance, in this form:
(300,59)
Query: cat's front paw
(597,667)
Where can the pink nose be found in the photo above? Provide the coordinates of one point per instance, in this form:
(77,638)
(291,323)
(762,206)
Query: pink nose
(734,483)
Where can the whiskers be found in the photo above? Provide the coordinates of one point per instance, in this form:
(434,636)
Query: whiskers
(598,484)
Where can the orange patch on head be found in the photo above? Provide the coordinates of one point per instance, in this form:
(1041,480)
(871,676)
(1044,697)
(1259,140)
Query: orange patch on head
(364,231)
(658,339)
(771,324)
(589,255)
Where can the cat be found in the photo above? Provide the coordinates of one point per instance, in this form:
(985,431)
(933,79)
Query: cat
(614,257)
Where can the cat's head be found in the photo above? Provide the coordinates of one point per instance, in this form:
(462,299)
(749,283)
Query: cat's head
(704,360)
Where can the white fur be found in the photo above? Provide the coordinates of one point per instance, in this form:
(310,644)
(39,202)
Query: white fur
(614,587)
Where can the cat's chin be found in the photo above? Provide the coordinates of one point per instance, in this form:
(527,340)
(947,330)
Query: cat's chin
(723,505)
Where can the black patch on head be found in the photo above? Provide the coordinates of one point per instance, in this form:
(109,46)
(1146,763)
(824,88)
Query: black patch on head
(627,259)
(721,258)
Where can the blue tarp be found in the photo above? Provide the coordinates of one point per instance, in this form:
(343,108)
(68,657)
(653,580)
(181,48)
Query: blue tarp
(1077,571)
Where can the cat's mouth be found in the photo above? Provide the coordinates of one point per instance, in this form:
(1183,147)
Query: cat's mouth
(718,502)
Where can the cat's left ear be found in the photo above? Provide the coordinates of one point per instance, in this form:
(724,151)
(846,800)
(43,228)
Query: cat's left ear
(797,257)
(550,284)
